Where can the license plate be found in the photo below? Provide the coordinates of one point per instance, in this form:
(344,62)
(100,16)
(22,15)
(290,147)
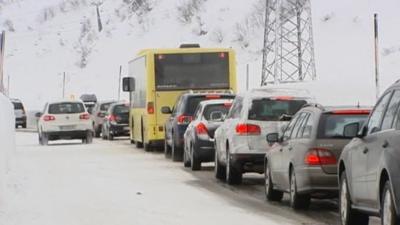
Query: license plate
(63,128)
(126,128)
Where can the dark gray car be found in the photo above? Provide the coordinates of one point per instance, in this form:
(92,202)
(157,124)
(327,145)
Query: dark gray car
(303,161)
(369,167)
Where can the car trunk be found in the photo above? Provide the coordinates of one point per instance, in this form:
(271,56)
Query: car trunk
(335,146)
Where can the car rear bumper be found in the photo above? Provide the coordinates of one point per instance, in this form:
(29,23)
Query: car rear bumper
(67,135)
(120,130)
(314,180)
(204,150)
(20,120)
(249,162)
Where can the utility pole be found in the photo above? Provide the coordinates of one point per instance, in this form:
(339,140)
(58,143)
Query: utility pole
(63,86)
(99,24)
(376,55)
(119,83)
(2,49)
(247,76)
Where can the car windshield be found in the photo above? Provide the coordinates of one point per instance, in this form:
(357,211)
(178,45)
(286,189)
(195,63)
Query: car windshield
(213,109)
(66,108)
(332,125)
(121,109)
(194,101)
(273,110)
(18,106)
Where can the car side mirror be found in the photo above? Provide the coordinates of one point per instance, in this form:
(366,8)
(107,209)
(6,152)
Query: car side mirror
(38,114)
(166,110)
(273,138)
(363,132)
(128,84)
(351,130)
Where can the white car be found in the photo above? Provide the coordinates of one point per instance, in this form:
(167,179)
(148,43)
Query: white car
(65,120)
(240,142)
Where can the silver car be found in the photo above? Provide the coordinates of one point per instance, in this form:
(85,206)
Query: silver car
(240,143)
(303,161)
(98,114)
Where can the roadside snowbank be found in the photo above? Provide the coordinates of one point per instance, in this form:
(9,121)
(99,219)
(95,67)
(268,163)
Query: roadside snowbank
(7,140)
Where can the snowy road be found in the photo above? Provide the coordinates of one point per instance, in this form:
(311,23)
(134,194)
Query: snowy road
(112,183)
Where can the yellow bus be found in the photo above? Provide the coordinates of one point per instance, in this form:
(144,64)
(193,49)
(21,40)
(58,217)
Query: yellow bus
(157,77)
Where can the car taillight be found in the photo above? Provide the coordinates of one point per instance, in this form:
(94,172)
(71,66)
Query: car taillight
(201,129)
(320,156)
(49,118)
(150,108)
(213,96)
(100,114)
(112,118)
(183,119)
(248,129)
(84,116)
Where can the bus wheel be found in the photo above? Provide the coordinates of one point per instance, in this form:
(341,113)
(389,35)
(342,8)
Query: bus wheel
(147,147)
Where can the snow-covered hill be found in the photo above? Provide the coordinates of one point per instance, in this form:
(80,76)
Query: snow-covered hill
(46,38)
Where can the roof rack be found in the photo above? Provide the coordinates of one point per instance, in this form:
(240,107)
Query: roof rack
(314,105)
(209,91)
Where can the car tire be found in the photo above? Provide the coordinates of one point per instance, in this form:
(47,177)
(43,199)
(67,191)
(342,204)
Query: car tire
(194,161)
(24,125)
(132,141)
(147,147)
(233,176)
(297,201)
(45,139)
(270,193)
(388,210)
(219,170)
(167,149)
(186,160)
(110,136)
(97,132)
(349,216)
(176,153)
(89,138)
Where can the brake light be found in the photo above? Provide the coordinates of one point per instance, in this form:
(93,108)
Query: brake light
(84,116)
(213,97)
(352,112)
(150,108)
(248,129)
(320,156)
(112,118)
(49,118)
(183,119)
(228,105)
(160,57)
(284,98)
(201,129)
(222,55)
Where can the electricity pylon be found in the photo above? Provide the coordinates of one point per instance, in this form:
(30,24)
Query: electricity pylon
(288,54)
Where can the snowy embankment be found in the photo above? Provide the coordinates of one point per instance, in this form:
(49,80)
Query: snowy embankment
(7,140)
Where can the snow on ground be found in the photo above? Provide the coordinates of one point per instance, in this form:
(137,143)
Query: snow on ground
(113,183)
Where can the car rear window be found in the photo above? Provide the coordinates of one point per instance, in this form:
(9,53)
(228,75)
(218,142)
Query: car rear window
(66,108)
(272,110)
(18,105)
(194,101)
(121,109)
(105,106)
(209,109)
(332,125)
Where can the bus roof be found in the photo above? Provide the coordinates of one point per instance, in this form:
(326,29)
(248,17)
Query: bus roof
(182,50)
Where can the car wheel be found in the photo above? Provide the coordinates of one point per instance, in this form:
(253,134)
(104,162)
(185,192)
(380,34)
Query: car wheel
(348,216)
(167,149)
(97,132)
(186,160)
(233,176)
(219,170)
(40,139)
(297,201)
(176,153)
(195,162)
(147,147)
(270,193)
(110,136)
(388,211)
(89,137)
(24,125)
(45,139)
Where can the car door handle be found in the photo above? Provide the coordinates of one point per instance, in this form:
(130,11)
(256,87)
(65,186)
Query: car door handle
(385,144)
(365,151)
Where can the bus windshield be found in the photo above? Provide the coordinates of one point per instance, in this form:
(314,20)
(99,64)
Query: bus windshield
(192,71)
